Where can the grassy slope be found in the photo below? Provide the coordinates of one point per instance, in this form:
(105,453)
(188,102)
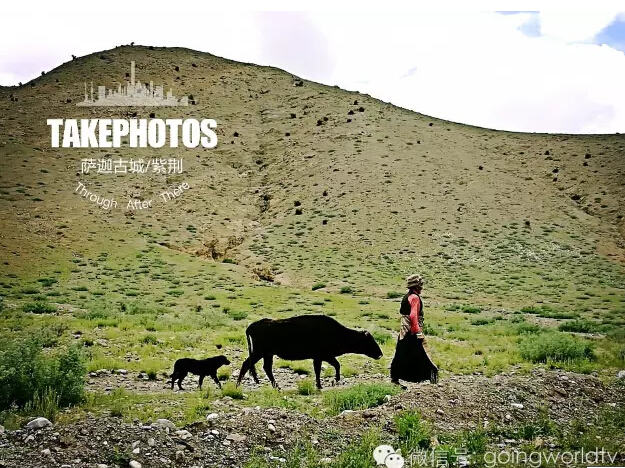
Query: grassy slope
(405,193)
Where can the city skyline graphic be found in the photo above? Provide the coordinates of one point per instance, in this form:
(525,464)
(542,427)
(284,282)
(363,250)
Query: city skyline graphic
(132,93)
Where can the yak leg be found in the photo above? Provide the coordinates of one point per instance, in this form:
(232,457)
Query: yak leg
(337,367)
(248,365)
(268,367)
(173,376)
(201,380)
(216,380)
(180,379)
(253,372)
(244,368)
(317,367)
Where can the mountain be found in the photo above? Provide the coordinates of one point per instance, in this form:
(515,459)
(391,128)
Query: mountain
(382,191)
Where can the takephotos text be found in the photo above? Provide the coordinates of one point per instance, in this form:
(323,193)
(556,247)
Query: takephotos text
(135,133)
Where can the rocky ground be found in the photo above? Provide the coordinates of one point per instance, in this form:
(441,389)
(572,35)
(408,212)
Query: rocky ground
(227,436)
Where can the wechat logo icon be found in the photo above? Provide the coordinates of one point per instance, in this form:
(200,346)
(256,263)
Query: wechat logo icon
(385,455)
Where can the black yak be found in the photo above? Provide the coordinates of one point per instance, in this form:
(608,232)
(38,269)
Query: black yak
(316,337)
(203,367)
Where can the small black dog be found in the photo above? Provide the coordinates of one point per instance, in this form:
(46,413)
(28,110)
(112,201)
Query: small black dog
(203,367)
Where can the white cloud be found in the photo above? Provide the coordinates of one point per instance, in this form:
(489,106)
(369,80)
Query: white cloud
(574,26)
(475,68)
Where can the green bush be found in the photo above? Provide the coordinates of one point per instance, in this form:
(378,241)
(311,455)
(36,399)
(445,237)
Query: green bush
(413,433)
(231,390)
(381,337)
(579,326)
(149,340)
(393,295)
(237,314)
(346,290)
(27,375)
(318,286)
(44,404)
(479,322)
(306,387)
(556,347)
(358,397)
(468,309)
(39,307)
(528,329)
(46,282)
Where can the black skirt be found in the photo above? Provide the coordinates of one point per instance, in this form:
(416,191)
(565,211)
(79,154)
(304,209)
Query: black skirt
(411,363)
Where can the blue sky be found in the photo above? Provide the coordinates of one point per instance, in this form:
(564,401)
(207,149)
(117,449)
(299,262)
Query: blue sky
(547,71)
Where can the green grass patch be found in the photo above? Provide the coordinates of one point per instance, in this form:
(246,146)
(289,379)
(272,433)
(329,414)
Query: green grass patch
(358,397)
(556,347)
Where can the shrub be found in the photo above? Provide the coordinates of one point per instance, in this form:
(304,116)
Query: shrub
(479,322)
(579,326)
(381,337)
(306,387)
(149,339)
(39,307)
(554,347)
(346,290)
(393,295)
(528,329)
(467,309)
(45,403)
(430,330)
(358,397)
(151,374)
(46,282)
(318,286)
(413,433)
(237,314)
(358,454)
(27,375)
(231,390)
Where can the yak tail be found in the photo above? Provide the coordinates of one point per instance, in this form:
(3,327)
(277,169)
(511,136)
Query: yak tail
(250,344)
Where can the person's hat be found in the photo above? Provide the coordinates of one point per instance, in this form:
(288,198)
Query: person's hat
(414,281)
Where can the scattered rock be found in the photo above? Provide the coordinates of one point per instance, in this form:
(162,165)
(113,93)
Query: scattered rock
(135,464)
(620,375)
(212,417)
(517,405)
(46,453)
(561,391)
(165,423)
(184,434)
(234,437)
(179,456)
(271,428)
(38,423)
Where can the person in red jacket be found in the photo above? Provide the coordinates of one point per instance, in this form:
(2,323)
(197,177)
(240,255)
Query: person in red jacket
(411,362)
(411,308)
